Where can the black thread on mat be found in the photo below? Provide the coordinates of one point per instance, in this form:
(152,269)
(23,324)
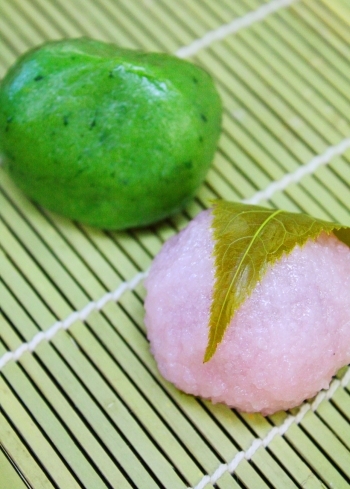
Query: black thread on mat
(89,391)
(13,464)
(110,352)
(50,405)
(35,354)
(24,440)
(327,454)
(126,440)
(294,449)
(73,404)
(129,408)
(75,407)
(247,425)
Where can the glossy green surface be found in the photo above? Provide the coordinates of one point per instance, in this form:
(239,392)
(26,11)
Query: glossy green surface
(111,137)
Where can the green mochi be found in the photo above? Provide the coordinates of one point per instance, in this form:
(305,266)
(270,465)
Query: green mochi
(111,137)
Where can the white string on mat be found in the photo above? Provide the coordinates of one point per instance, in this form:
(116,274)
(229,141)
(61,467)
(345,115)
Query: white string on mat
(276,430)
(210,37)
(311,166)
(220,33)
(75,316)
(82,315)
(231,28)
(297,175)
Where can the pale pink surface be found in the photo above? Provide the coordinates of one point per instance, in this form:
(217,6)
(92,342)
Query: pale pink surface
(283,345)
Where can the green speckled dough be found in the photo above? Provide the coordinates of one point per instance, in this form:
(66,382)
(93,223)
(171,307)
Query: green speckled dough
(110,137)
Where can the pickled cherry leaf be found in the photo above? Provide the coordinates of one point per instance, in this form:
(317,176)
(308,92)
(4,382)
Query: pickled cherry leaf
(248,238)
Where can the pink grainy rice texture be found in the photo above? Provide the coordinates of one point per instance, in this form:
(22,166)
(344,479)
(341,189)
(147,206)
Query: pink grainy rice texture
(283,345)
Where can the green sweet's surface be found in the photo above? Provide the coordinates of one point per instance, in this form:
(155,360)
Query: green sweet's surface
(110,137)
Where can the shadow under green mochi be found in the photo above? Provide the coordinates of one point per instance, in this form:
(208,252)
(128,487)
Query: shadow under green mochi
(111,137)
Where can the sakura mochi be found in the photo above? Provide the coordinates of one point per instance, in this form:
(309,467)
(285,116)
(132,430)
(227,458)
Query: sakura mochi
(289,335)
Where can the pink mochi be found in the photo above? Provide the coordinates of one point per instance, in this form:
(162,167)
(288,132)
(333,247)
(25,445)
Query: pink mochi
(282,346)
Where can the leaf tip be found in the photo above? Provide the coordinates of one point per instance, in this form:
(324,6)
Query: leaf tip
(209,352)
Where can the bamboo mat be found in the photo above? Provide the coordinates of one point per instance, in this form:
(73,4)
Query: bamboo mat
(82,402)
